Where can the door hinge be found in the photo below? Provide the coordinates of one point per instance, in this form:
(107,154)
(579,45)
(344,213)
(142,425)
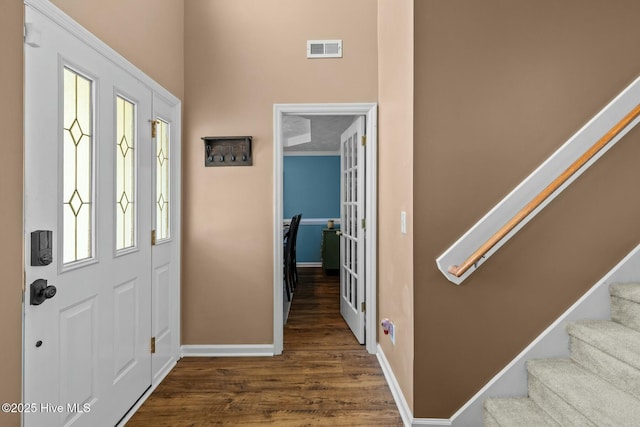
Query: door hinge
(364,140)
(153,237)
(32,36)
(363,223)
(363,307)
(154,124)
(153,345)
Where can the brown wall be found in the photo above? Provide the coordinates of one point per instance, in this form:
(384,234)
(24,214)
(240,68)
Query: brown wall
(11,70)
(395,185)
(241,57)
(499,86)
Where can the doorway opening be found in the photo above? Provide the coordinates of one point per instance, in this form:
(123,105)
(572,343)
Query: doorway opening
(358,239)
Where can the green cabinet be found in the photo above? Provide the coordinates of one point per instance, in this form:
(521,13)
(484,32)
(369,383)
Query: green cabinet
(330,250)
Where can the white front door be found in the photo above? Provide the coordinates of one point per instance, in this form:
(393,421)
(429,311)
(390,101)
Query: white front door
(352,242)
(88,181)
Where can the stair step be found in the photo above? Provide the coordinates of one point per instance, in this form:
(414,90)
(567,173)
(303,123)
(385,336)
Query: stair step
(515,412)
(609,350)
(625,304)
(488,420)
(576,397)
(628,291)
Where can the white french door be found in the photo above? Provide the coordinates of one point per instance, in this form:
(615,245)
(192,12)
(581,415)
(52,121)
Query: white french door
(91,190)
(352,240)
(166,247)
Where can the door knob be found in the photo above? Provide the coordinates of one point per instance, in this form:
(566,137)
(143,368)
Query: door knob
(41,292)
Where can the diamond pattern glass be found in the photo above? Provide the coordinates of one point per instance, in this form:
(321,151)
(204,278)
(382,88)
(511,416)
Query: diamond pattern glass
(125,174)
(77,206)
(162,180)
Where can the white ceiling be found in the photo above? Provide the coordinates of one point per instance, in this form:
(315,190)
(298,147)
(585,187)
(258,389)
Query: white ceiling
(325,132)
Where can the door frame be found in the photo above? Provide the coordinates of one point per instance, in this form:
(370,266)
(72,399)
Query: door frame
(32,37)
(370,111)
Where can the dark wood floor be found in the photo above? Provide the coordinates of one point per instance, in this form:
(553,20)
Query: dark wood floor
(323,377)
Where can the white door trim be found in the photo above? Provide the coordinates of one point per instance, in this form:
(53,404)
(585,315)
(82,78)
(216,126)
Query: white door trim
(370,111)
(59,18)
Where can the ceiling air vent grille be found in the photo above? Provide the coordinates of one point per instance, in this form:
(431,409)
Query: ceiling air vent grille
(324,48)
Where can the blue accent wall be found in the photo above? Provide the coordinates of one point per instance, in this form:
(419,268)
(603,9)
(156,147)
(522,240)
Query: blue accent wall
(312,188)
(309,242)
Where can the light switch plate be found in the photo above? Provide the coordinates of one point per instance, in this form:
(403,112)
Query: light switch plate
(403,222)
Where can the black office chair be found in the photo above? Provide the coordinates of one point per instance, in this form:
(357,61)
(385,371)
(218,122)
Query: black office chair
(294,262)
(290,270)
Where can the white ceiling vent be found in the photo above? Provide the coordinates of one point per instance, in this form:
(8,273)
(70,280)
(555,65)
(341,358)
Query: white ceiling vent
(324,48)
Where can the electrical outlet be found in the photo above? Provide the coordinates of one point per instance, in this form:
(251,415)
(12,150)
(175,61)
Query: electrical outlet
(389,329)
(392,333)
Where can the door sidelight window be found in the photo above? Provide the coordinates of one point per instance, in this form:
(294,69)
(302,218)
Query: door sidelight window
(77,179)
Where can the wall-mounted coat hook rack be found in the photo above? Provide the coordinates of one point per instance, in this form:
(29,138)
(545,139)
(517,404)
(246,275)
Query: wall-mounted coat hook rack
(227,150)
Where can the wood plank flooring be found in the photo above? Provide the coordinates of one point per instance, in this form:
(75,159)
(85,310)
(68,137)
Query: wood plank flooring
(323,377)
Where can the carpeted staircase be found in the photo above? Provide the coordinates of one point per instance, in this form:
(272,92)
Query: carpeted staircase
(598,386)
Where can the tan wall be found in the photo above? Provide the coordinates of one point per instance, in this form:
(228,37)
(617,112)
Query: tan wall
(11,18)
(241,57)
(395,178)
(148,33)
(499,86)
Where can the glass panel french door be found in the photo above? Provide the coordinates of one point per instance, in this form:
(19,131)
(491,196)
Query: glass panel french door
(164,270)
(352,192)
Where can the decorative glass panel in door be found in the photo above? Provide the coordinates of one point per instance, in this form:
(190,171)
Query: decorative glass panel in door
(125,174)
(77,183)
(162,180)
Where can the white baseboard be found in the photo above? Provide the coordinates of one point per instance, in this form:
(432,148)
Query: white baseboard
(396,391)
(308,264)
(161,376)
(227,350)
(401,402)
